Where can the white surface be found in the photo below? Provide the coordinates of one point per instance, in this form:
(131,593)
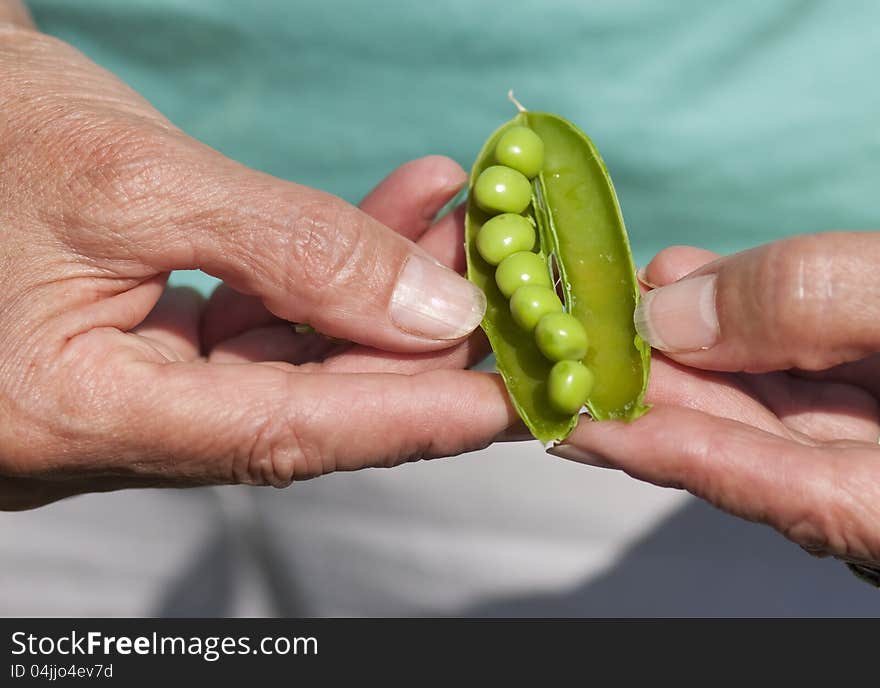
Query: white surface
(507,531)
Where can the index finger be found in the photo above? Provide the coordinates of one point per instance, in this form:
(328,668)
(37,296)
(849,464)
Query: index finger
(263,424)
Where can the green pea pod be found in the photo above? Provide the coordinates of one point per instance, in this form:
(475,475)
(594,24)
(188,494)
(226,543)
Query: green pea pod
(583,240)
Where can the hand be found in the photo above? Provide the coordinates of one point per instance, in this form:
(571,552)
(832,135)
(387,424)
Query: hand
(103,379)
(795,449)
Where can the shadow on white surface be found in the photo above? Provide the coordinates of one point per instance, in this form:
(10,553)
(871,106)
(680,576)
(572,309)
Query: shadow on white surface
(702,562)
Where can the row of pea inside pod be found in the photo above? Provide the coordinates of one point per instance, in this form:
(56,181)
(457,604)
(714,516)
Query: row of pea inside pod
(506,241)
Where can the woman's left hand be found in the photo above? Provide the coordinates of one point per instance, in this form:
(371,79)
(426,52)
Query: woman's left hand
(766,391)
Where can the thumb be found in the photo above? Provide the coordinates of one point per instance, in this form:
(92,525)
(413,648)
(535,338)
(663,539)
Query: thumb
(807,302)
(314,258)
(309,256)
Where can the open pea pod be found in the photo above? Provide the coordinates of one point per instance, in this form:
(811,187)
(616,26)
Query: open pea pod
(582,238)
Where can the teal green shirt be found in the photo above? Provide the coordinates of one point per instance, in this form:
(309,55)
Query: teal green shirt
(724,125)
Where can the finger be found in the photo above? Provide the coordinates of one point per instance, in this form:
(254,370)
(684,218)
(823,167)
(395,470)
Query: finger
(261,424)
(445,240)
(824,411)
(361,359)
(174,322)
(820,496)
(230,315)
(14,12)
(775,403)
(409,198)
(864,374)
(351,278)
(406,201)
(808,302)
(315,353)
(724,395)
(275,343)
(309,257)
(674,263)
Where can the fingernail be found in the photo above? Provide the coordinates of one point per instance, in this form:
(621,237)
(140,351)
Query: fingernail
(434,302)
(572,453)
(642,276)
(679,317)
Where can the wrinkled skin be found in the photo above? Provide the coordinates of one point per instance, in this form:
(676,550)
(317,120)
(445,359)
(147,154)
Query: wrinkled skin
(108,379)
(793,443)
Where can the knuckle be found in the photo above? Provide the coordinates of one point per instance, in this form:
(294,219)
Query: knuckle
(812,527)
(279,453)
(115,170)
(795,284)
(123,187)
(836,515)
(107,177)
(329,247)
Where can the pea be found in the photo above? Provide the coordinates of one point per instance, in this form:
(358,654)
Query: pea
(577,219)
(532,302)
(569,385)
(561,337)
(522,267)
(522,149)
(501,189)
(503,235)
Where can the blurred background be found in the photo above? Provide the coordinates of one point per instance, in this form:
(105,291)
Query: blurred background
(724,125)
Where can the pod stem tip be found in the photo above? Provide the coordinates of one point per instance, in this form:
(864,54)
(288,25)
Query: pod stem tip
(517,104)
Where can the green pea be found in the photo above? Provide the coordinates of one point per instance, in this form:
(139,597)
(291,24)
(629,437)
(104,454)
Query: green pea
(532,302)
(561,337)
(522,267)
(577,221)
(501,189)
(569,385)
(522,149)
(503,235)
